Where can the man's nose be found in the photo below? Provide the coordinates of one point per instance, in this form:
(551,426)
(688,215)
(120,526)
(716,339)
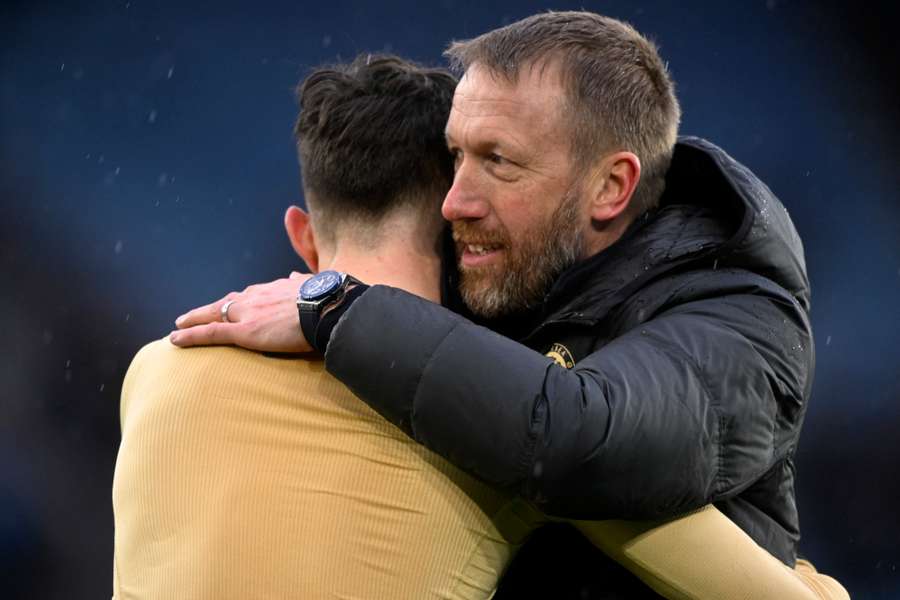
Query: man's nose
(465,200)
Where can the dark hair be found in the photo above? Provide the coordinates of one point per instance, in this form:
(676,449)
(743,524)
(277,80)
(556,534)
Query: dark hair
(619,93)
(370,136)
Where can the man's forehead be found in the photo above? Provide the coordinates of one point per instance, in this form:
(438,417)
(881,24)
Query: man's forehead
(484,92)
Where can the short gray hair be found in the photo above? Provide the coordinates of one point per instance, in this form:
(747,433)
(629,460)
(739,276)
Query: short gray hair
(620,95)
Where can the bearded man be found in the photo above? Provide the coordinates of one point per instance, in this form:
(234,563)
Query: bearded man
(656,353)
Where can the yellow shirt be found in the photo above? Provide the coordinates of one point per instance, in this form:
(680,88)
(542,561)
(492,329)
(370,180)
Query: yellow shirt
(248,476)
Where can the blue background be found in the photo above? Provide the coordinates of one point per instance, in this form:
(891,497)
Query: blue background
(146,160)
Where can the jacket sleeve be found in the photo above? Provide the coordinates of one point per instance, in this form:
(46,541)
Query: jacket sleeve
(679,412)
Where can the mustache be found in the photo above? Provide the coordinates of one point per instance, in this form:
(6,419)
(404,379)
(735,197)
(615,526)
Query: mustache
(470,233)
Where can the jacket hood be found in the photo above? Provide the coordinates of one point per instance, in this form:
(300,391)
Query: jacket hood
(714,213)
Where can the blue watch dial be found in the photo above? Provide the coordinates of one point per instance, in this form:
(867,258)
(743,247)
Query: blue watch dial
(320,285)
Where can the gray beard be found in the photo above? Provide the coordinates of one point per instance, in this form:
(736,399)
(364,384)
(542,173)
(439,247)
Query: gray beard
(531,268)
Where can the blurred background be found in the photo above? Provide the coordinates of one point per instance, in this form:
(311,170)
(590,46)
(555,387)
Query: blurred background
(146,160)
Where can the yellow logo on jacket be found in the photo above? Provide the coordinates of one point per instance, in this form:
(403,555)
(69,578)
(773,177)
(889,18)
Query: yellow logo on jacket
(561,356)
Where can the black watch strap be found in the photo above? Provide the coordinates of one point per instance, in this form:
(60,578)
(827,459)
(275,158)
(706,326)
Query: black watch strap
(329,320)
(309,321)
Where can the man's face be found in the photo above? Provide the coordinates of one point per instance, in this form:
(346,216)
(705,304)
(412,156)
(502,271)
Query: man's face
(518,215)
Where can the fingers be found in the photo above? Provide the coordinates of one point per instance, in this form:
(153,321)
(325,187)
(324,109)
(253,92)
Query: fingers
(209,313)
(210,334)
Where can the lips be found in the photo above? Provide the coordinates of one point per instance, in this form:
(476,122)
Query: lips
(475,255)
(477,246)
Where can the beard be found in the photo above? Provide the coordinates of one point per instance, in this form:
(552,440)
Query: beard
(529,266)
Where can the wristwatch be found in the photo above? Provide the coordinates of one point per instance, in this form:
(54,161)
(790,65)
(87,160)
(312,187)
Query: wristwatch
(319,293)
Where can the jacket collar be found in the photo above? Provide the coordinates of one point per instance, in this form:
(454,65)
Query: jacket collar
(714,212)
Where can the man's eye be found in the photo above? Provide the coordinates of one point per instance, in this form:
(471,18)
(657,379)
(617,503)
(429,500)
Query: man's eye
(496,158)
(456,154)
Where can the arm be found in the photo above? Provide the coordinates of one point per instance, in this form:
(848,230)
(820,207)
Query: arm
(705,555)
(638,429)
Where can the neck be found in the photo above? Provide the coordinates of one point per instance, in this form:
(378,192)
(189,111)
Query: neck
(415,268)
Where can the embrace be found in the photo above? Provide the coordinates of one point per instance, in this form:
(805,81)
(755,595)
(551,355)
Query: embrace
(532,306)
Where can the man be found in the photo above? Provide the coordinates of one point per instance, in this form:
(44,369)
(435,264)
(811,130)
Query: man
(677,323)
(215,494)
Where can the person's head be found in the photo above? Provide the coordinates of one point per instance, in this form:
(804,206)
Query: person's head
(370,138)
(563,127)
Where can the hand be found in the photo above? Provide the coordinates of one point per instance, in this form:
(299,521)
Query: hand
(262,317)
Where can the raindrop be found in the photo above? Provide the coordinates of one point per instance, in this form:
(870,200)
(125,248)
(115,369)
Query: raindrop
(170,73)
(326,41)
(828,341)
(62,67)
(102,385)
(68,363)
(162,180)
(715,264)
(127,317)
(151,118)
(101,160)
(118,248)
(118,170)
(538,469)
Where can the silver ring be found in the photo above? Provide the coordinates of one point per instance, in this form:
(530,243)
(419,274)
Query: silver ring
(224,311)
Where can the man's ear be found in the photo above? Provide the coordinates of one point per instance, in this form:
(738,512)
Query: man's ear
(617,177)
(300,232)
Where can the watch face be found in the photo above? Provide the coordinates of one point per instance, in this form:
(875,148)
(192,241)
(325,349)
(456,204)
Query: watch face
(320,285)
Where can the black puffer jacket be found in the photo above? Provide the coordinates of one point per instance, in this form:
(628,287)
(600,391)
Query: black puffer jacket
(691,362)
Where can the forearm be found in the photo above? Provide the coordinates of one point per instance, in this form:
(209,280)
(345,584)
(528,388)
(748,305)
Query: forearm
(571,441)
(705,555)
(636,430)
(470,398)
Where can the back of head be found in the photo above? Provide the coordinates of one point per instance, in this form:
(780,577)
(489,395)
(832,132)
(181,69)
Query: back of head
(370,136)
(619,95)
